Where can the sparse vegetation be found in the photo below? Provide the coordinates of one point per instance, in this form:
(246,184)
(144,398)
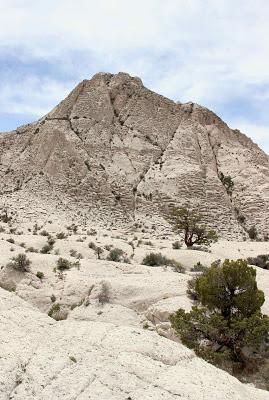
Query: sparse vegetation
(61,235)
(10,240)
(57,313)
(40,275)
(198,267)
(31,250)
(190,224)
(227,183)
(252,232)
(158,259)
(116,255)
(104,294)
(63,264)
(227,318)
(20,263)
(261,261)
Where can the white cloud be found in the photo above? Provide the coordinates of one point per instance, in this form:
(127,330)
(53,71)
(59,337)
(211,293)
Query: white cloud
(207,51)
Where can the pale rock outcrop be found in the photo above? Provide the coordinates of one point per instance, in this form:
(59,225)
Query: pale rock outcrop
(43,359)
(114,152)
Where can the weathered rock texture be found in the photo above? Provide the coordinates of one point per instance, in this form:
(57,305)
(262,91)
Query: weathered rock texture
(113,152)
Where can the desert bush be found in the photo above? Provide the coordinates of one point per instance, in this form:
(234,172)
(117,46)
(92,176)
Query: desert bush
(92,246)
(227,318)
(261,261)
(115,255)
(104,294)
(157,259)
(177,245)
(31,250)
(46,249)
(63,264)
(252,232)
(20,263)
(40,275)
(227,183)
(2,229)
(108,247)
(53,298)
(44,233)
(57,313)
(10,240)
(198,267)
(61,235)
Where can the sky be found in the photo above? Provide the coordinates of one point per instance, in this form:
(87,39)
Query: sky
(211,52)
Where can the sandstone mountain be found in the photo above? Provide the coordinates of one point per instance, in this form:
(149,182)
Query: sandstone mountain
(117,154)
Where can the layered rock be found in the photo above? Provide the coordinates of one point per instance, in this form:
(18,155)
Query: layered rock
(115,153)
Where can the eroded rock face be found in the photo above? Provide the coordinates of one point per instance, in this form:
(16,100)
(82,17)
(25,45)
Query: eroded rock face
(44,359)
(113,152)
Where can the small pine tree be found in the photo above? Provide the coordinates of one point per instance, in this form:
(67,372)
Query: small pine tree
(227,316)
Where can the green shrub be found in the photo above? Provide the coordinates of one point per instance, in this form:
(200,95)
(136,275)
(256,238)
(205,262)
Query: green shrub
(57,313)
(115,255)
(63,264)
(198,267)
(44,233)
(20,263)
(261,261)
(157,259)
(92,246)
(61,235)
(46,249)
(40,274)
(252,232)
(32,250)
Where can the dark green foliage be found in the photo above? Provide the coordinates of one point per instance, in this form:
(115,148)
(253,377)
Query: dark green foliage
(92,245)
(227,182)
(252,232)
(63,264)
(44,233)
(190,223)
(115,255)
(20,263)
(61,235)
(31,250)
(40,275)
(198,267)
(56,313)
(157,259)
(227,316)
(46,249)
(261,261)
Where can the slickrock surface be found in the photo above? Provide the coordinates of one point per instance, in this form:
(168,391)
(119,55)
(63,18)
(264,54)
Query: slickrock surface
(123,349)
(44,359)
(116,154)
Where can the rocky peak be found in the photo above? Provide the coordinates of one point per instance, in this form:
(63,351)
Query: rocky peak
(114,152)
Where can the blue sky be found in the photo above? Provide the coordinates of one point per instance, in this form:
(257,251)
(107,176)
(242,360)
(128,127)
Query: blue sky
(212,52)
